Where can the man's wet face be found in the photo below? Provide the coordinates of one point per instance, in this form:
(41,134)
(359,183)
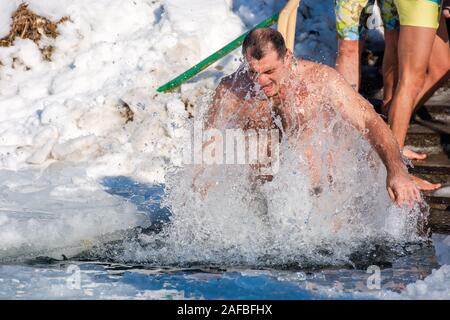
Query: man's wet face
(267,72)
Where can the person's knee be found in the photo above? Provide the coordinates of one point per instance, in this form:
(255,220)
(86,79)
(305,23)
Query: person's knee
(438,74)
(412,85)
(439,69)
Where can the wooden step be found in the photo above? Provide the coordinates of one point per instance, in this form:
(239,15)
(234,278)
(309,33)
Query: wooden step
(436,200)
(435,169)
(439,126)
(436,111)
(423,139)
(439,221)
(434,164)
(439,199)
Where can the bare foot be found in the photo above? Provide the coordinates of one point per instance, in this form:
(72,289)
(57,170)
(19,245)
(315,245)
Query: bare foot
(446,12)
(411,155)
(425,185)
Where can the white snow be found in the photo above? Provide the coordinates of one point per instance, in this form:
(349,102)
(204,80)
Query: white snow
(108,49)
(435,286)
(73,282)
(7,8)
(56,212)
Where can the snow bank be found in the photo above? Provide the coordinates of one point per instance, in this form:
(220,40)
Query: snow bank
(69,108)
(435,286)
(57,211)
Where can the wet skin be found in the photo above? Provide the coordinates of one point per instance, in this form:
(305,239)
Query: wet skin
(293,90)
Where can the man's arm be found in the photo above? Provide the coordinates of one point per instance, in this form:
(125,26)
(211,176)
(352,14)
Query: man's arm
(212,115)
(360,113)
(211,120)
(313,163)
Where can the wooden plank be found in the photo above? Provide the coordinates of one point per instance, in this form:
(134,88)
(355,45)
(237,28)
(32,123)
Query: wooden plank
(438,126)
(437,107)
(435,160)
(423,137)
(439,221)
(416,128)
(434,164)
(437,200)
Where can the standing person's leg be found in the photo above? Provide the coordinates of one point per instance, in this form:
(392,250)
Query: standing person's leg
(437,73)
(417,33)
(350,29)
(414,51)
(348,61)
(390,68)
(439,65)
(391,25)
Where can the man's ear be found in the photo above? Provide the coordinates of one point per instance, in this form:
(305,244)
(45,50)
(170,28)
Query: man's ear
(288,56)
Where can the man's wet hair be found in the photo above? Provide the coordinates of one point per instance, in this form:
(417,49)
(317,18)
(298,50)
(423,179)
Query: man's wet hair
(258,42)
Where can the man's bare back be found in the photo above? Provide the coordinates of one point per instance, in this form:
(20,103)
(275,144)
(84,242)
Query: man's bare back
(237,104)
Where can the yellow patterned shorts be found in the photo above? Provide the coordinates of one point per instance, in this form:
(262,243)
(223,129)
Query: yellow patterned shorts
(389,15)
(353,16)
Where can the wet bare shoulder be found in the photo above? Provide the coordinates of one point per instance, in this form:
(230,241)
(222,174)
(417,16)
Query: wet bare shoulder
(229,95)
(318,74)
(313,87)
(237,82)
(227,81)
(223,98)
(232,88)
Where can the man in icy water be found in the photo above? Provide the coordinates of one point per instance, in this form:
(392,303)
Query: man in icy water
(276,89)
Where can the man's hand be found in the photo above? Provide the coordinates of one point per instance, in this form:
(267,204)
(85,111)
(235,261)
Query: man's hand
(199,185)
(402,189)
(201,189)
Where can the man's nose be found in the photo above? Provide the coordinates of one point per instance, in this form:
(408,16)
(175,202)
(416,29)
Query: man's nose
(263,80)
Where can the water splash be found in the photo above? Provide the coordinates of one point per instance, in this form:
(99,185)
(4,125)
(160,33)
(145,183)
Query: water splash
(305,216)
